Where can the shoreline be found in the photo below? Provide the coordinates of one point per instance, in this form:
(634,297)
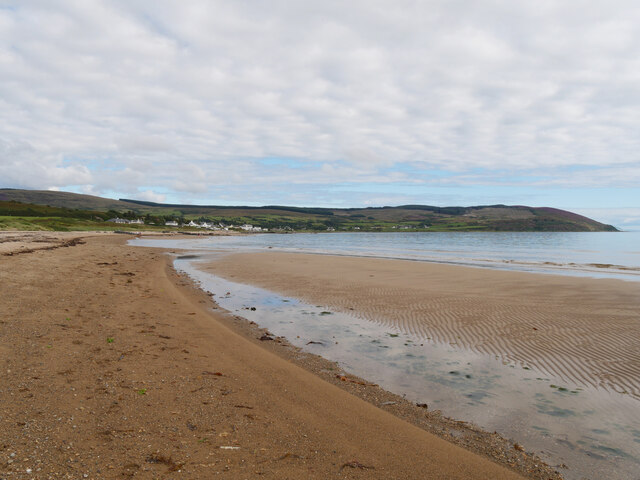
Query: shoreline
(571,327)
(386,292)
(570,265)
(598,270)
(122,366)
(460,432)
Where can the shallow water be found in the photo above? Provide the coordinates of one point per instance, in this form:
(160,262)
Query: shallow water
(595,254)
(594,432)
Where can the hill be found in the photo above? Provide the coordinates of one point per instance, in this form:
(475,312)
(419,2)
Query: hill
(62,199)
(404,217)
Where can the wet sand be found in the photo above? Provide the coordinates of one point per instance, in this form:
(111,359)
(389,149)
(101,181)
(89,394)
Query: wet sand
(114,366)
(586,331)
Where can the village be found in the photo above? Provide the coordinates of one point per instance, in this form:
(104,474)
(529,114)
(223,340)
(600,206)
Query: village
(193,224)
(246,227)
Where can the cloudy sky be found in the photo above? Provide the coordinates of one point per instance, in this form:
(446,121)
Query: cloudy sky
(326,103)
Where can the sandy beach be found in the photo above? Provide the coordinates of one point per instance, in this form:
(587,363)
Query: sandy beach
(114,366)
(583,330)
(15,243)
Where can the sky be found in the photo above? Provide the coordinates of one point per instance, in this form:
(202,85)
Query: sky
(326,103)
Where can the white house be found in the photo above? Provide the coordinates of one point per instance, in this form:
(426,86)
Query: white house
(171,223)
(139,221)
(250,228)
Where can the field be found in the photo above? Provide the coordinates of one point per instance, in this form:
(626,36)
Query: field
(20,216)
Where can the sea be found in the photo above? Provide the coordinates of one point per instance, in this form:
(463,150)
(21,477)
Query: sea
(584,431)
(594,254)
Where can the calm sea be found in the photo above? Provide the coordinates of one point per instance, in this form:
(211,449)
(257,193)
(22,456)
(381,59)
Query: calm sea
(597,254)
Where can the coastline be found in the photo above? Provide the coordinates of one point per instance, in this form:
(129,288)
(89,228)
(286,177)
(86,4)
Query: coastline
(583,412)
(585,255)
(120,364)
(572,327)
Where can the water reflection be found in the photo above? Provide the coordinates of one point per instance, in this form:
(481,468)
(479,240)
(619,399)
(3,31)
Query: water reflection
(594,432)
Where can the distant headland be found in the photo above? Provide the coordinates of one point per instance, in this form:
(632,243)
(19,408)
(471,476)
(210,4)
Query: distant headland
(54,210)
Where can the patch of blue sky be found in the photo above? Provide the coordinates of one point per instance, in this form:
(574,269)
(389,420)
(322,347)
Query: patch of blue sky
(94,164)
(478,175)
(74,188)
(113,194)
(500,176)
(578,168)
(82,189)
(540,196)
(155,189)
(161,30)
(391,188)
(474,194)
(603,197)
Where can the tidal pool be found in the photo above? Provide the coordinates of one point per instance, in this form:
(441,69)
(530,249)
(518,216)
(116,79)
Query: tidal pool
(584,431)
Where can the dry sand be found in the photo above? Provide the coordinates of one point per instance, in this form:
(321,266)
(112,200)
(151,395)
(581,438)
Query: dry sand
(581,329)
(23,242)
(114,366)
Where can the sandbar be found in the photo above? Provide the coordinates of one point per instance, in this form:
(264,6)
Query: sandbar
(584,330)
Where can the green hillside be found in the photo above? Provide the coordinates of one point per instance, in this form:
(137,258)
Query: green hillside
(94,210)
(26,216)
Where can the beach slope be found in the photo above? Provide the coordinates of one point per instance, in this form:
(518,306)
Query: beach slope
(113,366)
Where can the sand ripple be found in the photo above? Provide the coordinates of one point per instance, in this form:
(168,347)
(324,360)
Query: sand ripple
(585,331)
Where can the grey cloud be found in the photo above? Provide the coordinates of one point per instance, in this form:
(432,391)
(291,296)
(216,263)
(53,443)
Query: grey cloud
(21,165)
(190,94)
(143,144)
